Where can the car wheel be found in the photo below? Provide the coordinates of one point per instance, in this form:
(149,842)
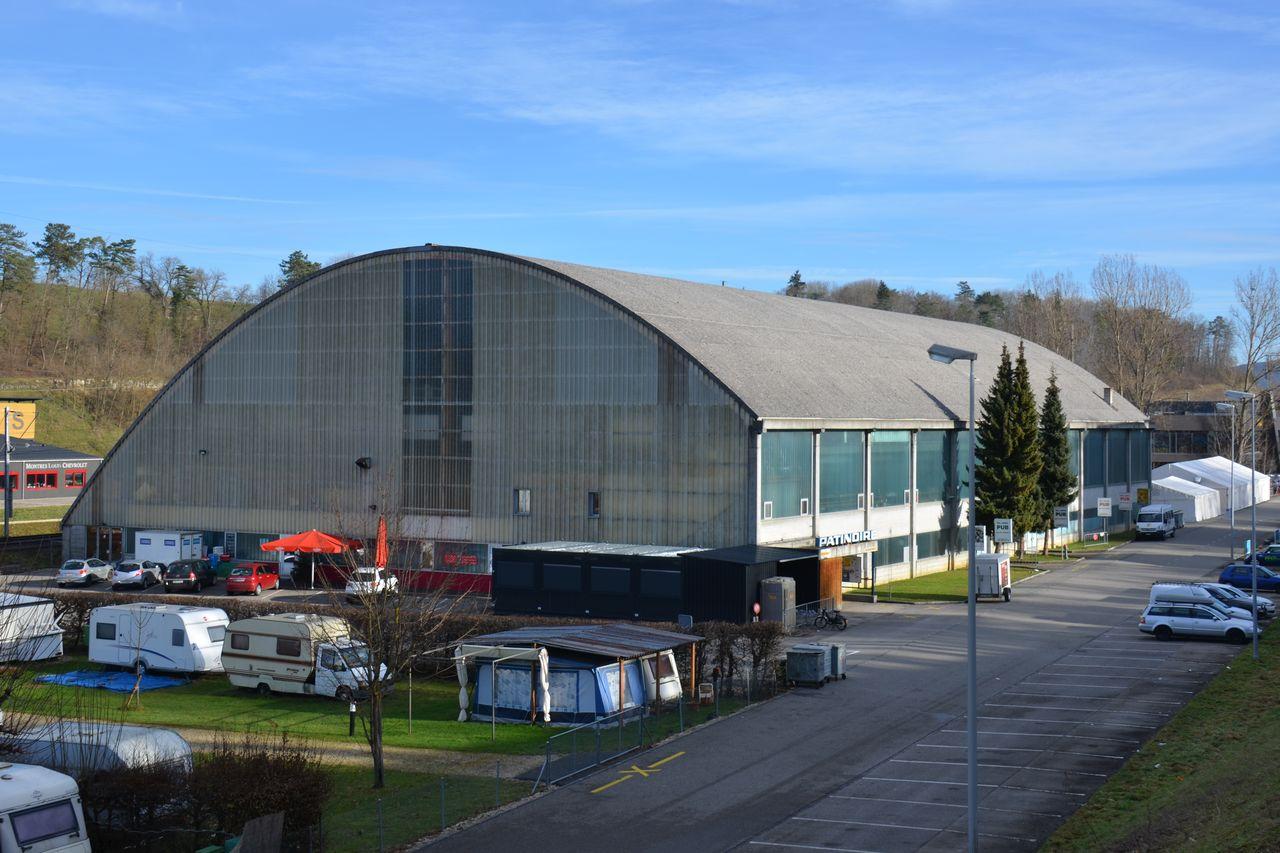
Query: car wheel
(342,694)
(1008,593)
(1235,635)
(264,689)
(257,590)
(1163,632)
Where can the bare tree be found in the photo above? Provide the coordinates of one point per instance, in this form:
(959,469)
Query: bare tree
(208,287)
(1140,314)
(1256,320)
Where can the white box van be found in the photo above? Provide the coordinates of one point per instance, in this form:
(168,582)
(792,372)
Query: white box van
(163,637)
(296,653)
(167,546)
(1190,593)
(1158,521)
(40,811)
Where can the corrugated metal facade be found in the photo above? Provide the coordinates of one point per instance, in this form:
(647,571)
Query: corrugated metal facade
(463,377)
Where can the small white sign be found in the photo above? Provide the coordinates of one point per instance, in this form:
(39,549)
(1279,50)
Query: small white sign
(1126,501)
(1004,530)
(1104,507)
(980,539)
(1061,516)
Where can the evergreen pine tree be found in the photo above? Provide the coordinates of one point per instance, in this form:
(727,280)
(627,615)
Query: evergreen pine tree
(994,481)
(1058,486)
(1027,461)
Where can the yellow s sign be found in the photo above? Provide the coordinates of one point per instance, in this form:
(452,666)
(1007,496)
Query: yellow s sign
(22,420)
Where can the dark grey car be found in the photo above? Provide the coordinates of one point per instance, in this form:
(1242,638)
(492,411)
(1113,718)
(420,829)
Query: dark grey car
(194,575)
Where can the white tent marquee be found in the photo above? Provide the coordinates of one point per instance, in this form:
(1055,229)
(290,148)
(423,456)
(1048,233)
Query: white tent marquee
(1216,473)
(1197,502)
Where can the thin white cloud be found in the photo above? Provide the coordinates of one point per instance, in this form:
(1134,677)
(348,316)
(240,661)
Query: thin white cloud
(150,191)
(151,11)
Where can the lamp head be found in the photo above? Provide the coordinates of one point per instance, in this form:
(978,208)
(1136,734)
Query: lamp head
(1241,396)
(1225,407)
(945,354)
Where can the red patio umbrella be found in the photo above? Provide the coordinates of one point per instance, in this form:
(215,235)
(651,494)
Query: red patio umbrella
(311,542)
(380,553)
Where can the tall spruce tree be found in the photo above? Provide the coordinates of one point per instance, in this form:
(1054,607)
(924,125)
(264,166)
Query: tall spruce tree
(1058,484)
(994,481)
(1028,462)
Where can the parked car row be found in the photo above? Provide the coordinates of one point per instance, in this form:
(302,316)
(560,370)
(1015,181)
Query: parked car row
(1219,610)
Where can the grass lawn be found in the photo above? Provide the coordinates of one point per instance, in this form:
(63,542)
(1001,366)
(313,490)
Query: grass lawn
(1205,782)
(410,806)
(939,586)
(211,702)
(34,520)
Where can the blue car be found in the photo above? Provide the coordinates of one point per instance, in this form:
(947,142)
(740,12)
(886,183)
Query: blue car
(1239,575)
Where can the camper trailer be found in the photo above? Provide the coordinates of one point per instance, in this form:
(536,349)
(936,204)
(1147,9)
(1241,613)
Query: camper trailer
(81,747)
(40,811)
(161,637)
(28,629)
(296,653)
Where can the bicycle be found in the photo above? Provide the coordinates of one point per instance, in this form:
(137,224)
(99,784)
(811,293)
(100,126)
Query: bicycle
(834,618)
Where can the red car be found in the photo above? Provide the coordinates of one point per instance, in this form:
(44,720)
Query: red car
(253,578)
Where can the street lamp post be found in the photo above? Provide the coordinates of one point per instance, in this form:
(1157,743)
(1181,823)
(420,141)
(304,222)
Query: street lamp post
(947,355)
(1241,396)
(1231,407)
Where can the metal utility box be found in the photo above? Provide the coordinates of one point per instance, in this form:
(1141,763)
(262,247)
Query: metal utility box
(809,663)
(778,601)
(837,660)
(995,578)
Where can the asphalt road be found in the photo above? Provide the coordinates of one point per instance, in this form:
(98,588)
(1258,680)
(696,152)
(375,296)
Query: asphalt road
(770,776)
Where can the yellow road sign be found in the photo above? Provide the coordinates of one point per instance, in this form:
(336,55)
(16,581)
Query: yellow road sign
(636,771)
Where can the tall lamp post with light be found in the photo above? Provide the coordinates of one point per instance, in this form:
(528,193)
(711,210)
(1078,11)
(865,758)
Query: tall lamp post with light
(1222,408)
(1241,396)
(947,355)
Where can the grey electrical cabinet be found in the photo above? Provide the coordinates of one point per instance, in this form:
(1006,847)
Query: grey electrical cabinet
(778,601)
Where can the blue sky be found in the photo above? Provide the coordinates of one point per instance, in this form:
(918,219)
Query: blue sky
(918,141)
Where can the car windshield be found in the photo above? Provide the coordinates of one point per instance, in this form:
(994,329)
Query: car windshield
(1219,607)
(1149,516)
(240,572)
(355,655)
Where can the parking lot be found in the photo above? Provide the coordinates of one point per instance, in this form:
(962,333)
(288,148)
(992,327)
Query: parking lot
(1045,743)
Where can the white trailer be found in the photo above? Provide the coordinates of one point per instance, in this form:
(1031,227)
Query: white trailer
(81,747)
(296,653)
(995,579)
(40,811)
(167,546)
(28,629)
(162,637)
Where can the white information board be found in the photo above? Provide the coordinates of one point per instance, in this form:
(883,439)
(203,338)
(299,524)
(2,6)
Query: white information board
(1104,507)
(1004,530)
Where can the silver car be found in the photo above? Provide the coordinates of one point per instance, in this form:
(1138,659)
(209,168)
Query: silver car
(142,573)
(83,572)
(1167,620)
(1233,597)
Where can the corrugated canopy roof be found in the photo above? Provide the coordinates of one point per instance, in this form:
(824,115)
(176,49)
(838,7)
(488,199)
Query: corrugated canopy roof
(615,640)
(790,358)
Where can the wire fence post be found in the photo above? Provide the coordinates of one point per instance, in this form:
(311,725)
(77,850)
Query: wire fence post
(442,804)
(497,783)
(680,705)
(597,728)
(380,839)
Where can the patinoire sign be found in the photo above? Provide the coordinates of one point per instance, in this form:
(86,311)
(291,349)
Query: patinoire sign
(853,538)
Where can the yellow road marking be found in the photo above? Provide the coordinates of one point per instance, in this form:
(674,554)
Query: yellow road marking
(636,771)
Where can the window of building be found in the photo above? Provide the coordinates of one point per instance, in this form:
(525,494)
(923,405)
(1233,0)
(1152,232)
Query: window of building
(289,647)
(74,478)
(1140,455)
(1094,458)
(960,464)
(593,504)
(42,480)
(932,544)
(933,462)
(105,631)
(1117,457)
(892,551)
(240,642)
(786,471)
(521,499)
(1073,451)
(890,467)
(562,577)
(843,470)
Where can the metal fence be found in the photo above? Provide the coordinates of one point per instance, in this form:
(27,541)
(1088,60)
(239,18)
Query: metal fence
(806,613)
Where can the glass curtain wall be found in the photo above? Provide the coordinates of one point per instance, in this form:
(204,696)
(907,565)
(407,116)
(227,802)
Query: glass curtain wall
(933,544)
(890,467)
(1117,457)
(1140,456)
(843,470)
(892,551)
(1094,458)
(786,471)
(933,463)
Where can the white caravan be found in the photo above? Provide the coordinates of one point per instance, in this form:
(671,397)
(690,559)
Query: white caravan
(28,629)
(40,811)
(167,546)
(162,637)
(296,653)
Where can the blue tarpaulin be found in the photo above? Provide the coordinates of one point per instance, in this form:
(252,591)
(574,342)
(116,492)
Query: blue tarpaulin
(120,682)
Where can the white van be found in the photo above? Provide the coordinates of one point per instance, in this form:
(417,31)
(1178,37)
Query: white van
(1190,593)
(296,653)
(162,637)
(40,811)
(1158,521)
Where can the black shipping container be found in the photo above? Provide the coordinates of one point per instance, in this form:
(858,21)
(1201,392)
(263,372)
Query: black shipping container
(724,584)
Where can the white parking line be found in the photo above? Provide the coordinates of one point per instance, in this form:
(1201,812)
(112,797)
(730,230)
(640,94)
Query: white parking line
(943,805)
(1042,734)
(1110,666)
(1102,686)
(1085,710)
(813,847)
(906,826)
(1106,698)
(1069,722)
(996,766)
(1018,749)
(980,785)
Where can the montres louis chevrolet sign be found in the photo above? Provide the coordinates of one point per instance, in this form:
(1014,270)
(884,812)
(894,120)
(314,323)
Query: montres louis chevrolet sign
(851,538)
